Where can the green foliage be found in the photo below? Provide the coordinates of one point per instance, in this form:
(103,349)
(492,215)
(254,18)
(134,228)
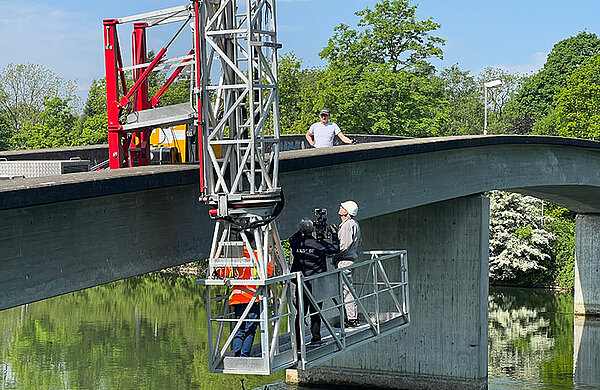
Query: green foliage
(392,36)
(577,105)
(547,125)
(94,130)
(5,132)
(298,94)
(178,92)
(96,100)
(381,101)
(377,80)
(465,105)
(562,225)
(93,124)
(24,89)
(54,127)
(535,99)
(499,98)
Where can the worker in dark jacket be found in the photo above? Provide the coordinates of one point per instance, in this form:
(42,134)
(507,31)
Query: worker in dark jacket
(310,257)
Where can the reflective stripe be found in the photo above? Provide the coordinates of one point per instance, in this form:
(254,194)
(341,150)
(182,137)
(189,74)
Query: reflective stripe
(242,294)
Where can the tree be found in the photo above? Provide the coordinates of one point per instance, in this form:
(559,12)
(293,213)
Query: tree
(93,123)
(5,132)
(519,242)
(562,224)
(578,104)
(378,79)
(535,99)
(25,87)
(390,103)
(392,36)
(465,105)
(499,98)
(56,126)
(94,130)
(95,103)
(290,88)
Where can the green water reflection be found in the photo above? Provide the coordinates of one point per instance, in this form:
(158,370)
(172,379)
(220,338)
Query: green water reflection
(149,332)
(530,339)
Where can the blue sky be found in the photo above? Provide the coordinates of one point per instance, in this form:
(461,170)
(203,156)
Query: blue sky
(516,35)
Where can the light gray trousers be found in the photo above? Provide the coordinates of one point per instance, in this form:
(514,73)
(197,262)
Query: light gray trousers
(351,307)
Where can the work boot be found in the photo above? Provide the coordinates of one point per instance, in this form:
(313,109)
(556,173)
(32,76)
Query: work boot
(315,344)
(352,323)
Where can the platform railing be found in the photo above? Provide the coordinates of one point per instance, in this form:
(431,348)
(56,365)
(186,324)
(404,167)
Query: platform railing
(379,288)
(382,303)
(273,349)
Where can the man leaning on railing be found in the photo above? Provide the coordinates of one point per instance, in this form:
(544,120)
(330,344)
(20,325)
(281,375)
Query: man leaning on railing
(321,134)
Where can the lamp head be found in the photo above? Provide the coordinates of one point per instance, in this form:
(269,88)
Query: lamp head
(493,83)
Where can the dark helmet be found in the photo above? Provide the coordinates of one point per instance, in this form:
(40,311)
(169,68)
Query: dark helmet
(307,226)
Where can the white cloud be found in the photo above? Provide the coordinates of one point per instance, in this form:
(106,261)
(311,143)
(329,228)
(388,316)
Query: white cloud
(535,63)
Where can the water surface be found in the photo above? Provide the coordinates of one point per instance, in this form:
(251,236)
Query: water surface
(149,332)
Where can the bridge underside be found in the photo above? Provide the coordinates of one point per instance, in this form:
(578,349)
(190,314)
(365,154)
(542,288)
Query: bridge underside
(62,234)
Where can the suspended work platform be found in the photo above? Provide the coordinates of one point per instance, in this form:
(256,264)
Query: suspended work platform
(379,287)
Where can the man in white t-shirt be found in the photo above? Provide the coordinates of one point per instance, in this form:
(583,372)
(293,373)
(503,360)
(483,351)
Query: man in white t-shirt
(321,134)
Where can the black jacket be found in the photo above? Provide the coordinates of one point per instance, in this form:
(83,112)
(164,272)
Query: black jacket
(310,254)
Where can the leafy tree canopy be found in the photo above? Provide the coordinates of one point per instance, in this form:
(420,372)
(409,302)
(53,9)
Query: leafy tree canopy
(519,243)
(578,104)
(96,100)
(298,94)
(378,79)
(5,132)
(25,87)
(55,126)
(385,102)
(391,35)
(535,99)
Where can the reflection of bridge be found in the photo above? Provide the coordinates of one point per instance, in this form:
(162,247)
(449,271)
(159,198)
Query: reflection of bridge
(66,233)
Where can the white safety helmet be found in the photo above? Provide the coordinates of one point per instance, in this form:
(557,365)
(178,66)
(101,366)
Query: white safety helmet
(351,207)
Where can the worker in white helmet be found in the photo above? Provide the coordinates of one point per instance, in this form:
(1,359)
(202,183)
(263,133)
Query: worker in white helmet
(349,236)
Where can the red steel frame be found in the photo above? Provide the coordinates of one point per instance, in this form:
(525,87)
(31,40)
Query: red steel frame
(129,149)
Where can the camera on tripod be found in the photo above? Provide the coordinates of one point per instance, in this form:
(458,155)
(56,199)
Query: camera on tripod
(320,224)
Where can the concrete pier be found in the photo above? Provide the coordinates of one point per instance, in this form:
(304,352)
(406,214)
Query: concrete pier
(445,347)
(586,361)
(587,264)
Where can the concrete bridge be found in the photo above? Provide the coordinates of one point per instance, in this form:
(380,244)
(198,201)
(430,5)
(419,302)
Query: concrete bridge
(65,233)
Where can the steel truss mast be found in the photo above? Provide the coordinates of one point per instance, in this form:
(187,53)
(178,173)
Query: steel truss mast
(230,64)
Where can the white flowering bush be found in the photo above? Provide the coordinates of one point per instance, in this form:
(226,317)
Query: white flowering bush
(518,241)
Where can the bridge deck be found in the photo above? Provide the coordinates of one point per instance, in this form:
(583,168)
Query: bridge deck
(38,191)
(70,232)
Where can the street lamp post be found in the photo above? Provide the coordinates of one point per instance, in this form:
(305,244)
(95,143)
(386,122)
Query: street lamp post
(489,84)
